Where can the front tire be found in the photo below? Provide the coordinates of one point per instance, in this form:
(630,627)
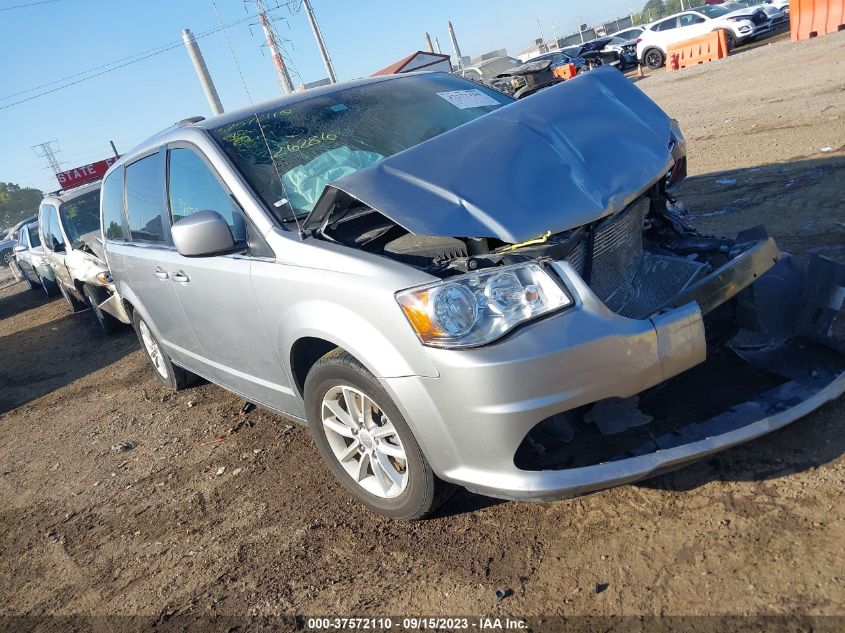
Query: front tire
(74,304)
(7,257)
(171,376)
(366,442)
(654,58)
(106,323)
(730,40)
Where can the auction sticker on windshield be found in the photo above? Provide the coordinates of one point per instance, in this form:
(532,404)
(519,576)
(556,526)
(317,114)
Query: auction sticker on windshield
(464,99)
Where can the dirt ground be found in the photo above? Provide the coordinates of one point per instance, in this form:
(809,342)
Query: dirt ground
(253,525)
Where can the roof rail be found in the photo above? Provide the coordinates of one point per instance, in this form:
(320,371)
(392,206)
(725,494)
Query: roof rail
(190,121)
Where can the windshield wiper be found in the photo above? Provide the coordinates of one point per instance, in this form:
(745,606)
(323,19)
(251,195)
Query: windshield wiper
(295,218)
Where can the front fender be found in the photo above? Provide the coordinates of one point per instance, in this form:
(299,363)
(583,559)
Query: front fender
(385,352)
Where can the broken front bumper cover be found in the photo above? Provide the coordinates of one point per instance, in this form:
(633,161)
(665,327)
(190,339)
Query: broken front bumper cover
(486,403)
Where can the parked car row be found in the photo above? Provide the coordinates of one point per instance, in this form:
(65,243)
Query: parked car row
(60,252)
(391,262)
(740,21)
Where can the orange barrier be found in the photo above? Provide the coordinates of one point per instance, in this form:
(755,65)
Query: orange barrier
(567,71)
(698,50)
(809,18)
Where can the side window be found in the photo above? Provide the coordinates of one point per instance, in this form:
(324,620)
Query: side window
(50,228)
(23,237)
(56,240)
(689,19)
(667,25)
(44,224)
(144,200)
(111,205)
(32,233)
(193,187)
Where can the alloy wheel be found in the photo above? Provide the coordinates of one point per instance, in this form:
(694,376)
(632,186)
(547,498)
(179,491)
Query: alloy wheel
(364,441)
(151,346)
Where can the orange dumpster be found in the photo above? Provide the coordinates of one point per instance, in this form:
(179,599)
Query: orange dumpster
(810,18)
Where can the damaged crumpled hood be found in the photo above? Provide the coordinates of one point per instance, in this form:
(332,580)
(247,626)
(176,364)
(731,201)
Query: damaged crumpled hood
(563,157)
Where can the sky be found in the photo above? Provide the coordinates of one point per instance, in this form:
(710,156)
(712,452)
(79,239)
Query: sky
(52,40)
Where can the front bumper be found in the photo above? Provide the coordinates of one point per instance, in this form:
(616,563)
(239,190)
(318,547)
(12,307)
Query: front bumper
(472,420)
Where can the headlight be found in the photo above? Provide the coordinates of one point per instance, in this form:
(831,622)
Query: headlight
(478,308)
(105,278)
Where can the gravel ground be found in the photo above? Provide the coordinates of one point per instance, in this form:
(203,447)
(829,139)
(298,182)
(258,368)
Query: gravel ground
(216,515)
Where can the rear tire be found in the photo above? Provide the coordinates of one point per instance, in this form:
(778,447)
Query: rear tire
(382,437)
(16,271)
(74,304)
(106,323)
(171,376)
(654,58)
(49,287)
(29,283)
(7,256)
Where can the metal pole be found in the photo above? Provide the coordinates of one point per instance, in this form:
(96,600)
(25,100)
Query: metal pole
(202,71)
(320,43)
(114,149)
(437,43)
(278,61)
(580,32)
(428,43)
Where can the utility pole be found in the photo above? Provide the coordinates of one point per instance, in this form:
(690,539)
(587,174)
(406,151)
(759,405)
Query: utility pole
(48,152)
(455,45)
(580,32)
(320,43)
(428,43)
(540,26)
(554,34)
(202,71)
(270,34)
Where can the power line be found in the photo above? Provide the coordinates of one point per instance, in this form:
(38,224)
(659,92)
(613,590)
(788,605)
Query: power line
(30,4)
(132,59)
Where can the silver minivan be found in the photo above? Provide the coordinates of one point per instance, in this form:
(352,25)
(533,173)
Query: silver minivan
(69,222)
(454,288)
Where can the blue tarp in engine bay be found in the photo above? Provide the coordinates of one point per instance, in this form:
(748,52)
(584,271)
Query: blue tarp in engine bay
(558,159)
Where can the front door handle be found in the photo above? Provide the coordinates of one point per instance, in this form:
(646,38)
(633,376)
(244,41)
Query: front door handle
(179,276)
(160,273)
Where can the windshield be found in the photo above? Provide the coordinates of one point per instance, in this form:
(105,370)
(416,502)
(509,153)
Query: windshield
(316,141)
(80,216)
(710,11)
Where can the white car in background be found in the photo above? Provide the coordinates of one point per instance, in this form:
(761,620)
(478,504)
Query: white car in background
(777,12)
(739,26)
(631,33)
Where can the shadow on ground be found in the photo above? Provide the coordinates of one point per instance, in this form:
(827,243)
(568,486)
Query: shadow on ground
(45,357)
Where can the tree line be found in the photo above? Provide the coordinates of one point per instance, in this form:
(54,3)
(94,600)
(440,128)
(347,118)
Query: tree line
(17,203)
(656,9)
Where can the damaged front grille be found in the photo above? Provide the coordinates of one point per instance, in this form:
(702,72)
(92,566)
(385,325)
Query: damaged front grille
(628,279)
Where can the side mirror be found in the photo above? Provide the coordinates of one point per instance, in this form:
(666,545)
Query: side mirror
(20,248)
(202,234)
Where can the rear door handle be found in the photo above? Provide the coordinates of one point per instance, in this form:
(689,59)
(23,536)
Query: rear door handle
(160,273)
(179,276)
